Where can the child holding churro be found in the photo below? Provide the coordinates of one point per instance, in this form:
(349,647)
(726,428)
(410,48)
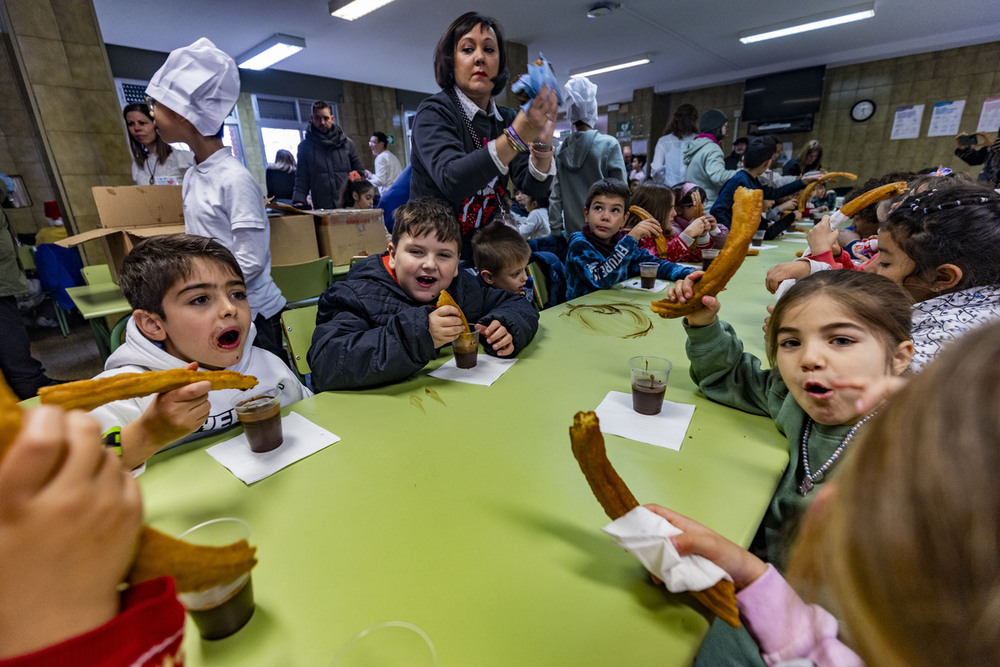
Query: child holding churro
(942,246)
(380,325)
(902,547)
(827,328)
(702,233)
(603,254)
(189,309)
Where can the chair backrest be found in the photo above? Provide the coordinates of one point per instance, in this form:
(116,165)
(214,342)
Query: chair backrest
(58,268)
(96,274)
(540,282)
(26,253)
(301,282)
(118,333)
(298,325)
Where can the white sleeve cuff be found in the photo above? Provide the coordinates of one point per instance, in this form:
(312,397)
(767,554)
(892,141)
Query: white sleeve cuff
(688,241)
(537,173)
(492,148)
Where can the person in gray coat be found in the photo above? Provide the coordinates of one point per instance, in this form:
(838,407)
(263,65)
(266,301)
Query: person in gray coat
(584,158)
(706,163)
(326,157)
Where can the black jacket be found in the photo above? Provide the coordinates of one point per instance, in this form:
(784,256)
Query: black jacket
(322,168)
(370,332)
(448,165)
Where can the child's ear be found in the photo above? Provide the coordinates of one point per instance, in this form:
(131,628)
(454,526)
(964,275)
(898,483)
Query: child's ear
(902,357)
(392,256)
(486,276)
(150,325)
(946,277)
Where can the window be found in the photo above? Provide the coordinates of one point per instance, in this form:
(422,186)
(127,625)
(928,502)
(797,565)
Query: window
(282,123)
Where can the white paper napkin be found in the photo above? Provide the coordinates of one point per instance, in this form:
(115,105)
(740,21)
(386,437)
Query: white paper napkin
(301,438)
(666,429)
(797,240)
(636,283)
(764,246)
(646,536)
(802,234)
(487,370)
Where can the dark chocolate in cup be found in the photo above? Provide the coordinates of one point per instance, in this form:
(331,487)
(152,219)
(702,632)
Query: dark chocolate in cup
(466,349)
(260,413)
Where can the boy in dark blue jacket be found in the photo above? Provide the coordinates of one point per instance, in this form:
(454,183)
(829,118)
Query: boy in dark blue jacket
(602,254)
(756,160)
(380,325)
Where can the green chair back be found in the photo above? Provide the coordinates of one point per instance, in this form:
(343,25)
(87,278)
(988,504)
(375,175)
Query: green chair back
(118,333)
(96,274)
(26,253)
(303,283)
(540,281)
(298,325)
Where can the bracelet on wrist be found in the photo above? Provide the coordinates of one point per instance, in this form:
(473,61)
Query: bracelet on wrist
(515,138)
(513,144)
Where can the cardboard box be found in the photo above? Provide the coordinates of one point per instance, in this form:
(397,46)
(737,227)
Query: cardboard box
(293,239)
(129,213)
(346,232)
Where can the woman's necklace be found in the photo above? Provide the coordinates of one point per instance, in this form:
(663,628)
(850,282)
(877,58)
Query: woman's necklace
(810,479)
(152,172)
(476,139)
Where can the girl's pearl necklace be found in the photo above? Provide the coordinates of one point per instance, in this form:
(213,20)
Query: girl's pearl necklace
(810,479)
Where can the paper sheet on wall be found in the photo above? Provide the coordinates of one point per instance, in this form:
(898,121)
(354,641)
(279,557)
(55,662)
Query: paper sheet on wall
(906,122)
(946,118)
(989,118)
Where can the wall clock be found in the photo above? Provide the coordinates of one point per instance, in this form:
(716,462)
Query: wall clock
(862,110)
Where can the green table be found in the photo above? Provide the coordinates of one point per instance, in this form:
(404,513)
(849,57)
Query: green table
(97,302)
(469,517)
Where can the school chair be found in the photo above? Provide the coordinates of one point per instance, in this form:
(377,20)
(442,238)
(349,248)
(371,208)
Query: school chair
(303,284)
(96,274)
(59,268)
(118,333)
(298,325)
(540,282)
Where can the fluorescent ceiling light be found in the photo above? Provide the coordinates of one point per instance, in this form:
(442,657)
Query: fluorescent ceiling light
(602,68)
(849,15)
(348,10)
(273,49)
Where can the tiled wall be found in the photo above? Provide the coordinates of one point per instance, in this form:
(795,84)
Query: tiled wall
(366,109)
(70,92)
(971,73)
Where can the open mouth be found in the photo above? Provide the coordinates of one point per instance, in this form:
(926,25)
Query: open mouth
(426,281)
(816,390)
(229,339)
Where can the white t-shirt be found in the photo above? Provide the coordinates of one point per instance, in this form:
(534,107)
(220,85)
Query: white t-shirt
(668,160)
(223,202)
(171,172)
(387,170)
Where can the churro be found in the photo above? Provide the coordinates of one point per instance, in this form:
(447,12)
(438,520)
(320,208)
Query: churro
(89,394)
(851,208)
(194,567)
(747,206)
(660,240)
(444,299)
(806,194)
(616,499)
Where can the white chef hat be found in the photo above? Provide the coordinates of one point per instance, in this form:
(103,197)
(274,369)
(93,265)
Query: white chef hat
(581,96)
(199,82)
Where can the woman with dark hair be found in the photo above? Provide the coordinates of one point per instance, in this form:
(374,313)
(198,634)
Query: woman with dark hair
(154,162)
(464,145)
(668,167)
(280,176)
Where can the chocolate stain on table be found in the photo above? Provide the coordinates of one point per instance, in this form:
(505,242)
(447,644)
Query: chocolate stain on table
(621,320)
(434,395)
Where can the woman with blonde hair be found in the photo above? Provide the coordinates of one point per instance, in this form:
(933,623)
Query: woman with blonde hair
(809,159)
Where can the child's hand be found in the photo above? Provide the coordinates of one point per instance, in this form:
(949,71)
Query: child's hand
(444,325)
(821,238)
(740,564)
(873,390)
(69,517)
(171,416)
(700,226)
(683,290)
(778,273)
(496,336)
(648,227)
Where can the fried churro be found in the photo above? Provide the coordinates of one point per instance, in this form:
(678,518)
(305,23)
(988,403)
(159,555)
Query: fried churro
(89,394)
(445,299)
(616,499)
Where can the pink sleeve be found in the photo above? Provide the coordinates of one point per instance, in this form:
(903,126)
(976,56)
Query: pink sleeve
(786,628)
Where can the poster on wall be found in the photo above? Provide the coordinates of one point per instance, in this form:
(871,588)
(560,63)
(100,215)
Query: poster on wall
(989,119)
(946,118)
(906,122)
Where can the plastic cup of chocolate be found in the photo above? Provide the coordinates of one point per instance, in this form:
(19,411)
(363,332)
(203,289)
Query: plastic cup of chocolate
(221,610)
(466,349)
(758,237)
(649,382)
(647,274)
(259,410)
(707,257)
